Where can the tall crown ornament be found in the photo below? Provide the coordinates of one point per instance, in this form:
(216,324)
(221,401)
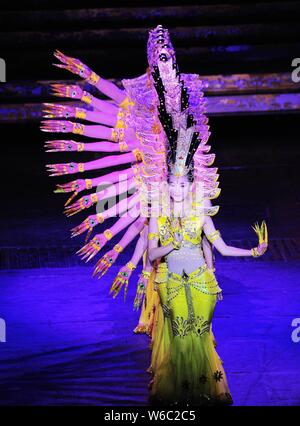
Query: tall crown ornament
(180,105)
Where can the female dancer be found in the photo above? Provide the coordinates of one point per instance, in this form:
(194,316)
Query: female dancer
(157,127)
(186,368)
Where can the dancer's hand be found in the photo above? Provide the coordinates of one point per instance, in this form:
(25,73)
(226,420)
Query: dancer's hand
(77,185)
(89,250)
(62,168)
(105,263)
(121,280)
(66,91)
(72,64)
(60,111)
(84,202)
(262,248)
(88,224)
(141,289)
(57,126)
(62,145)
(74,186)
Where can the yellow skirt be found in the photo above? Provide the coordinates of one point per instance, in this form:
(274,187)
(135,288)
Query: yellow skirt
(177,314)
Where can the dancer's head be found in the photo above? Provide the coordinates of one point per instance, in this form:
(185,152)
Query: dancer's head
(179,187)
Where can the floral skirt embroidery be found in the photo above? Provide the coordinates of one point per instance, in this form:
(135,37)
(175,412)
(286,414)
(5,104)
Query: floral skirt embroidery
(185,366)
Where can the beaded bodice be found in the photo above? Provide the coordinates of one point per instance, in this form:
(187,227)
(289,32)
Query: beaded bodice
(190,227)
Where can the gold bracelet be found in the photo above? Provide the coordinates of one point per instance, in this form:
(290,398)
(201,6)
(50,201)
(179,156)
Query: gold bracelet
(146,274)
(80,146)
(117,135)
(88,184)
(78,128)
(123,146)
(120,124)
(108,234)
(93,78)
(255,252)
(130,266)
(80,113)
(100,218)
(86,97)
(94,198)
(118,248)
(120,120)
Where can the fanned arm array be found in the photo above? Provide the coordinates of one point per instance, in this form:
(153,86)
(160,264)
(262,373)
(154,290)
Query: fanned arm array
(107,122)
(155,125)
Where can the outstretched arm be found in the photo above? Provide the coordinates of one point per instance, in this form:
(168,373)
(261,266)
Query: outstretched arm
(77,67)
(214,236)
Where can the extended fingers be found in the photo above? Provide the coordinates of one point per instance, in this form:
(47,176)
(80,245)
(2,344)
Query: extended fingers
(55,126)
(54,110)
(57,169)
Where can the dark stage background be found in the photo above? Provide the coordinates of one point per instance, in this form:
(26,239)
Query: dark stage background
(67,341)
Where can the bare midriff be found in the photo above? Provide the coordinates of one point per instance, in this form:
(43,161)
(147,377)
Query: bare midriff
(186,258)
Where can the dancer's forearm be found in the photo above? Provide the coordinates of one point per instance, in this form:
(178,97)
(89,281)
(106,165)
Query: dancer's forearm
(214,236)
(138,251)
(234,251)
(111,90)
(158,252)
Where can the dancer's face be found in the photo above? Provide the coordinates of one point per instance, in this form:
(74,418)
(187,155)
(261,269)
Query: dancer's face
(179,188)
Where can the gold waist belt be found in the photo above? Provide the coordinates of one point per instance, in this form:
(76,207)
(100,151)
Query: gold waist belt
(201,279)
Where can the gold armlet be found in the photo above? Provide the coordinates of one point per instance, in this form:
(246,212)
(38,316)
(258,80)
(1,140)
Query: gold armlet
(131,266)
(213,236)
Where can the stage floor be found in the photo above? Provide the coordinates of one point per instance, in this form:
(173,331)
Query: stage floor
(69,342)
